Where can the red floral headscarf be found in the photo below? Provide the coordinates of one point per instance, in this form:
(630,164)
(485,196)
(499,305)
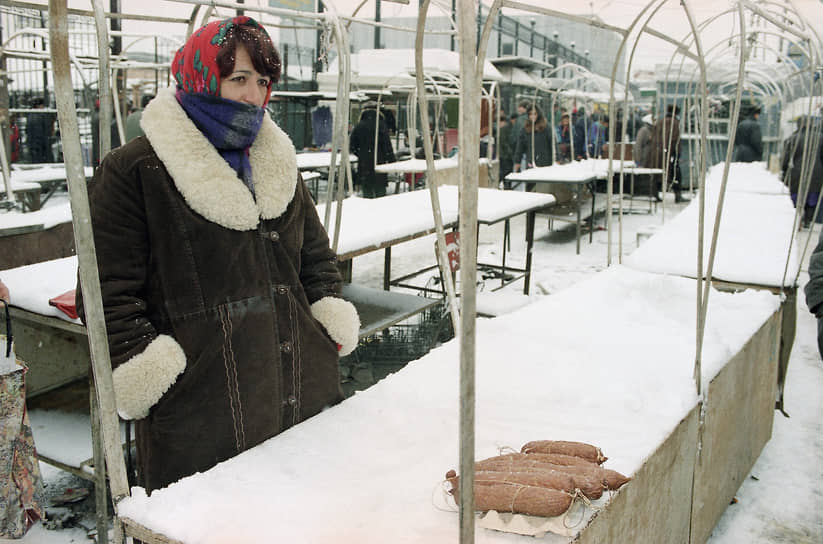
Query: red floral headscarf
(195,64)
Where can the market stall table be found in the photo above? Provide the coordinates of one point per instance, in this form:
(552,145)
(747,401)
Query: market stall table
(630,169)
(320,160)
(406,216)
(756,250)
(374,465)
(47,178)
(575,175)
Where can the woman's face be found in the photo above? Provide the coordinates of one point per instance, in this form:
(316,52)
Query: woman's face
(533,116)
(244,83)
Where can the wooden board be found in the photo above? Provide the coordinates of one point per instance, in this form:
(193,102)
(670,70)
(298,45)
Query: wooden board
(654,505)
(738,423)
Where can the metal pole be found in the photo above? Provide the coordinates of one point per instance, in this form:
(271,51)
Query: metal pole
(431,173)
(5,150)
(377,27)
(116,49)
(84,242)
(469,128)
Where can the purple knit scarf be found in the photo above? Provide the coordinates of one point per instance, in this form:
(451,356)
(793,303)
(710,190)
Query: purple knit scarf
(229,126)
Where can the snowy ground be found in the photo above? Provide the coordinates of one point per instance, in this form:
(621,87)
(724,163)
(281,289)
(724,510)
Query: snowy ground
(779,503)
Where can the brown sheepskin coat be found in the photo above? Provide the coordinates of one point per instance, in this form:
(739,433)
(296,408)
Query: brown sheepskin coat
(222,309)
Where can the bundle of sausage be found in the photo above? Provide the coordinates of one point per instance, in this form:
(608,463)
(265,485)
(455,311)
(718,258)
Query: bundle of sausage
(540,481)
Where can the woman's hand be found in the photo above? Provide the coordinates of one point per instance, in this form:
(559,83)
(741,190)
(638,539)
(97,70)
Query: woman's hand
(4,292)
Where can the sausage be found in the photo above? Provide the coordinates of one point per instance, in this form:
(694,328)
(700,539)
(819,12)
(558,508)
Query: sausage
(576,449)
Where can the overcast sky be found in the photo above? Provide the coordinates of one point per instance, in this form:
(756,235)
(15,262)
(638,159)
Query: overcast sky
(670,19)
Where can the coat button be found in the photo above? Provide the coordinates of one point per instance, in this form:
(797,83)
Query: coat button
(274,236)
(282,289)
(286,347)
(291,400)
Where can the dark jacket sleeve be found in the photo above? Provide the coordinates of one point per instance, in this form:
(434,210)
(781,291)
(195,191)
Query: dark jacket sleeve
(814,289)
(118,219)
(784,162)
(385,152)
(318,270)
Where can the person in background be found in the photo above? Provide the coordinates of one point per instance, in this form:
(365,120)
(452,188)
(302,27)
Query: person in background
(748,142)
(39,131)
(220,292)
(518,124)
(564,135)
(814,290)
(792,165)
(506,152)
(598,135)
(95,134)
(642,146)
(580,136)
(133,129)
(14,138)
(361,143)
(535,142)
(664,150)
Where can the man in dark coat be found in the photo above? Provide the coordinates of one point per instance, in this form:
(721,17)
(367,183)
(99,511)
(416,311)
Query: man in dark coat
(814,290)
(361,143)
(748,142)
(221,298)
(792,165)
(505,149)
(664,150)
(39,130)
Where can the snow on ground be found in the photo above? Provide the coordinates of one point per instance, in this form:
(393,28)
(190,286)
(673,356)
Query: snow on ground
(783,504)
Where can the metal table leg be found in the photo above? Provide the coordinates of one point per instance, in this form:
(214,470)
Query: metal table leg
(530,220)
(100,489)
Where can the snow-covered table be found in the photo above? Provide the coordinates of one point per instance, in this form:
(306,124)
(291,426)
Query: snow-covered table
(380,223)
(319,160)
(31,181)
(756,246)
(576,176)
(415,166)
(371,469)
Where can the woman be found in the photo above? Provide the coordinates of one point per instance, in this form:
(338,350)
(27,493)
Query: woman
(220,291)
(564,139)
(535,142)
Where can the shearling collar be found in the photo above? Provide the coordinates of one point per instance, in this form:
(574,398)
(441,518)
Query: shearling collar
(205,179)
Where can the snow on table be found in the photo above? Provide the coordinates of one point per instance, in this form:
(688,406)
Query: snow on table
(373,223)
(65,437)
(415,166)
(754,241)
(319,159)
(49,216)
(31,286)
(746,177)
(370,470)
(47,174)
(574,172)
